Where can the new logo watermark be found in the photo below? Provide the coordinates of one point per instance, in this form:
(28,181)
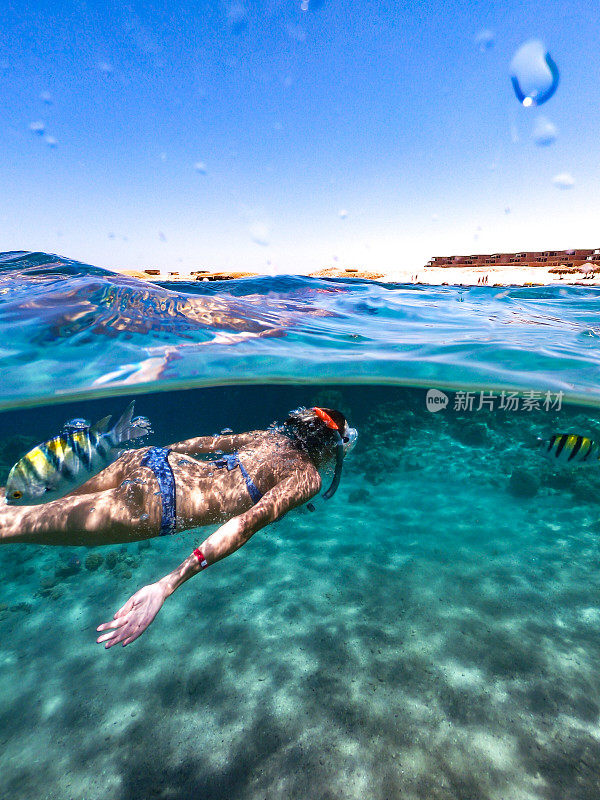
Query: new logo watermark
(436,400)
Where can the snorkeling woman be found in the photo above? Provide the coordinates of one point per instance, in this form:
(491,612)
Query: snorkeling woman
(256,478)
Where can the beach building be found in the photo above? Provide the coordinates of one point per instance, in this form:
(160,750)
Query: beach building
(541,258)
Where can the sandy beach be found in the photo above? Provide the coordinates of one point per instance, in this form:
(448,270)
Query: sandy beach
(433,276)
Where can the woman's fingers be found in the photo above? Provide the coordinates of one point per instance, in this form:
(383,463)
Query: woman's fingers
(135,635)
(114,623)
(109,626)
(116,636)
(125,629)
(127,607)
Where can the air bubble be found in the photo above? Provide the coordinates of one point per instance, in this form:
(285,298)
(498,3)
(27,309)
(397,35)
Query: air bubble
(544,132)
(51,141)
(304,5)
(564,180)
(533,73)
(485,39)
(342,213)
(37,127)
(105,67)
(46,97)
(200,167)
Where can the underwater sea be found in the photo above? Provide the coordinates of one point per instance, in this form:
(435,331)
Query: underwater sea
(431,632)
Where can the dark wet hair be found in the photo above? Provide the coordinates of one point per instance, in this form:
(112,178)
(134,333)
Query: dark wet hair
(312,432)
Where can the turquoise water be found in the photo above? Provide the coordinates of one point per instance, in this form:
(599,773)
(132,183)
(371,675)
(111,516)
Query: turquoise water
(70,329)
(430,632)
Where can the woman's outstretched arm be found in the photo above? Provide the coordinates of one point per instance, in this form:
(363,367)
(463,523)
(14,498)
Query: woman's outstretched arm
(226,443)
(139,611)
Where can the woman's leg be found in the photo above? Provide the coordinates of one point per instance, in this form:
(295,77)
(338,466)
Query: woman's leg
(127,513)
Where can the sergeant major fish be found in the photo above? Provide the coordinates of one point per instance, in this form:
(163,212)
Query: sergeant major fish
(571,448)
(65,462)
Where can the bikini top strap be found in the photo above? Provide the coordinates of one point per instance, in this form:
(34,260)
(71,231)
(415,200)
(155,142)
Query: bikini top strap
(253,489)
(231,462)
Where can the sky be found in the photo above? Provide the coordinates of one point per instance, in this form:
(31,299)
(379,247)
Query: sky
(291,135)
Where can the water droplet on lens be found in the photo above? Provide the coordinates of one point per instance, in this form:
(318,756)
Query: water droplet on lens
(564,180)
(544,132)
(296,32)
(342,213)
(485,39)
(200,167)
(237,17)
(533,73)
(259,233)
(37,127)
(46,97)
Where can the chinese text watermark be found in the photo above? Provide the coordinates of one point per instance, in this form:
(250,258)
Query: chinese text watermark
(437,400)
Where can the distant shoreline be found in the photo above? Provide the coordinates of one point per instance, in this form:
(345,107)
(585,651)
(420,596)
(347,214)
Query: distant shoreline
(432,276)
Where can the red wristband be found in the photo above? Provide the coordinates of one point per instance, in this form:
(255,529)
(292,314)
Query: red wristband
(199,555)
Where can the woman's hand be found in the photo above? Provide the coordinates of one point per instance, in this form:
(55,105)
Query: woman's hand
(134,617)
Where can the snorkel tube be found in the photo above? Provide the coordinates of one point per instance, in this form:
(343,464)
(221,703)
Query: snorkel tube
(339,452)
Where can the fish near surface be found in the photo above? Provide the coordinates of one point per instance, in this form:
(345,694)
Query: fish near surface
(62,464)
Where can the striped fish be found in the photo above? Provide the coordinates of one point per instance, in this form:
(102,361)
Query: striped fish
(571,448)
(65,462)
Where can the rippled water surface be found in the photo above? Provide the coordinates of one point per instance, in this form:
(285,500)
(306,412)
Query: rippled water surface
(72,329)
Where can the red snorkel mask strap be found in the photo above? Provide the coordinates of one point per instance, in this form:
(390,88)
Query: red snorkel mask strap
(326,418)
(339,451)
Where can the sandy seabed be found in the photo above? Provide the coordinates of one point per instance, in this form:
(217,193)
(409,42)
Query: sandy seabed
(426,634)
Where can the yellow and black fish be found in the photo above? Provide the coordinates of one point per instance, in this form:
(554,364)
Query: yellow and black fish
(65,462)
(571,448)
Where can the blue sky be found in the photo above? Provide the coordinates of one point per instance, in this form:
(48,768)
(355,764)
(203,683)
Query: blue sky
(256,135)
